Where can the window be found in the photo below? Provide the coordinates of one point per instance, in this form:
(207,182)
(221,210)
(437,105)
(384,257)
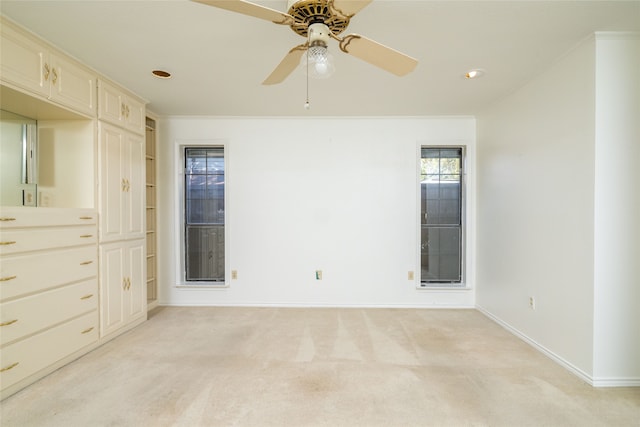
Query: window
(204,214)
(441,207)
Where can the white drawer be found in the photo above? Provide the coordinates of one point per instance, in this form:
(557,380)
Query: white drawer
(16,217)
(28,356)
(25,316)
(29,273)
(33,239)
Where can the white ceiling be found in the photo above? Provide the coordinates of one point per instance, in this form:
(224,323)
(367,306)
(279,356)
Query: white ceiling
(219,59)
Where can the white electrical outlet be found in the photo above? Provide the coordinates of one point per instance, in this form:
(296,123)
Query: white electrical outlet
(234,274)
(532,303)
(28,198)
(45,199)
(410,275)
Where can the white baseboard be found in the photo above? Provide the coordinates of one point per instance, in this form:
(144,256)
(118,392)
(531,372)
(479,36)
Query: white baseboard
(616,382)
(561,361)
(595,382)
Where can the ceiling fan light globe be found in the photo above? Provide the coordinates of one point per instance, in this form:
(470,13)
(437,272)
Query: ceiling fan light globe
(321,67)
(320,62)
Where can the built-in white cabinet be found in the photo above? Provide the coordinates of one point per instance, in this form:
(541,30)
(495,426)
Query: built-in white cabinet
(123,285)
(29,64)
(122,205)
(48,291)
(120,108)
(71,278)
(122,184)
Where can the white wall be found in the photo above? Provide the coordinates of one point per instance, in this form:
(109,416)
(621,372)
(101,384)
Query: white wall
(11,162)
(535,209)
(617,209)
(558,210)
(334,194)
(66,164)
(66,159)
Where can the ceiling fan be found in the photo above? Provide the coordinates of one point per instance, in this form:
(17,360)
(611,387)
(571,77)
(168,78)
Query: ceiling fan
(319,21)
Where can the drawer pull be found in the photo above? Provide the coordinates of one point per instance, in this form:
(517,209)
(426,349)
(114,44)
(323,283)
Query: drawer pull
(10,322)
(10,367)
(84,236)
(86,296)
(7,219)
(86,262)
(86,217)
(86,331)
(11,242)
(6,279)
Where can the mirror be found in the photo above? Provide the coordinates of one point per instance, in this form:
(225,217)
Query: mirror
(18,160)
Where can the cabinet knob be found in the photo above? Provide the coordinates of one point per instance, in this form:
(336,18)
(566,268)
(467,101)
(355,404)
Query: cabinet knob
(85,236)
(11,242)
(55,76)
(7,219)
(46,71)
(86,331)
(9,367)
(10,322)
(6,279)
(86,262)
(86,217)
(86,296)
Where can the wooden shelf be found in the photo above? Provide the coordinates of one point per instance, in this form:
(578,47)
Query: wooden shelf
(150,163)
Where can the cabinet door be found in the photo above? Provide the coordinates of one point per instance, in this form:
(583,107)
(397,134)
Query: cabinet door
(112,288)
(111,102)
(73,85)
(136,293)
(134,175)
(123,291)
(122,184)
(24,62)
(135,119)
(112,184)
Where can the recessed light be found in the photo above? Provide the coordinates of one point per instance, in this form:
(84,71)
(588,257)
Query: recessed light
(474,74)
(161,74)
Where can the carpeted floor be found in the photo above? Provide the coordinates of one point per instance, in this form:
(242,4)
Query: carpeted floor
(210,366)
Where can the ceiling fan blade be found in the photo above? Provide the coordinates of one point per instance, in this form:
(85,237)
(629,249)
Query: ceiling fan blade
(378,54)
(349,8)
(286,66)
(250,9)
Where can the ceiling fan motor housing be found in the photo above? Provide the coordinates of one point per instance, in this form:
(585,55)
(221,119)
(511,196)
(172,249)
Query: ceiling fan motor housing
(318,34)
(308,12)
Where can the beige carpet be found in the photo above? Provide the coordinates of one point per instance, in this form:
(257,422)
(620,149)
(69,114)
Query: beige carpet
(317,367)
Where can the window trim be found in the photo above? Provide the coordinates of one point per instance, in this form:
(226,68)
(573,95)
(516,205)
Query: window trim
(180,279)
(464,246)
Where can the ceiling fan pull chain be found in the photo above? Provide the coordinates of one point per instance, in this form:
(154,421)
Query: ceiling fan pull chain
(306,104)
